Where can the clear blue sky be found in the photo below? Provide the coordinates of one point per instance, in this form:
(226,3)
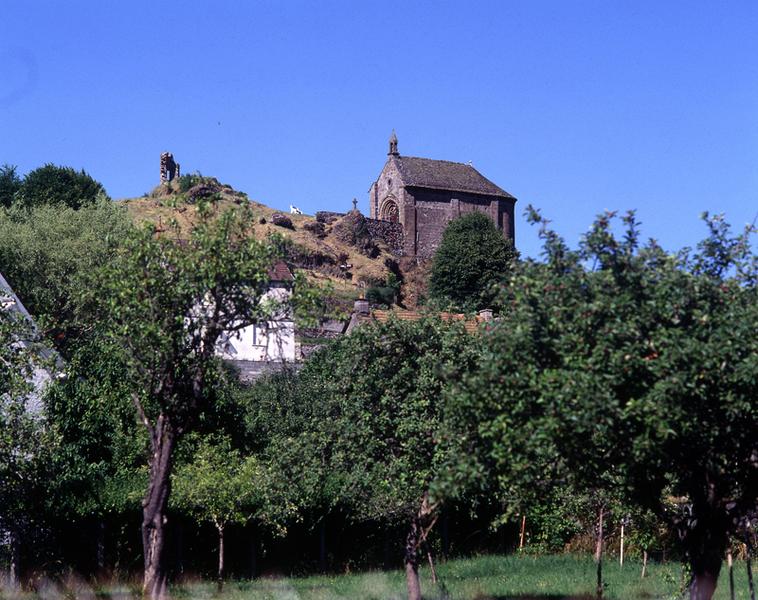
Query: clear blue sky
(573,106)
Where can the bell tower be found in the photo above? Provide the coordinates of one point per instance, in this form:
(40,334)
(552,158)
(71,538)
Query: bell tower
(393,145)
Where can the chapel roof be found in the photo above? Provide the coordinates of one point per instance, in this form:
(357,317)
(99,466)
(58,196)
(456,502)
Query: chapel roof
(445,175)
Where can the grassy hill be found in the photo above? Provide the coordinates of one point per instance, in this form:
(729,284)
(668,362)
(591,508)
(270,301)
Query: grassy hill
(334,251)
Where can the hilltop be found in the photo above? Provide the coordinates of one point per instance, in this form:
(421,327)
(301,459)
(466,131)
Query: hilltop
(329,246)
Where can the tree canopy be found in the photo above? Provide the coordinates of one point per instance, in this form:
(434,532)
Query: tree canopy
(632,370)
(60,186)
(376,425)
(472,257)
(48,255)
(10,183)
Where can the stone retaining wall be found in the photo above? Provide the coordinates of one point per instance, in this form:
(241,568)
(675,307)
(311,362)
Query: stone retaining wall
(388,231)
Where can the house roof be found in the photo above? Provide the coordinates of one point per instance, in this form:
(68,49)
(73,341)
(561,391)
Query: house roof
(470,324)
(280,272)
(46,363)
(445,175)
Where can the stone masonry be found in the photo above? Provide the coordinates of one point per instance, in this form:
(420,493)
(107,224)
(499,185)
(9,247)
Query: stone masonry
(169,168)
(424,195)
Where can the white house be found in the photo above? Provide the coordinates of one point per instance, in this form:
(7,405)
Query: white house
(265,346)
(45,362)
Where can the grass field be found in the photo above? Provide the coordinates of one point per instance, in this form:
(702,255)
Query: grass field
(561,577)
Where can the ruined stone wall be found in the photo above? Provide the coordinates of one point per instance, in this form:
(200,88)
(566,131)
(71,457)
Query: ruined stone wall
(390,233)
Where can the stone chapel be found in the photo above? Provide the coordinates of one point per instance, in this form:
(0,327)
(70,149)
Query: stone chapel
(423,195)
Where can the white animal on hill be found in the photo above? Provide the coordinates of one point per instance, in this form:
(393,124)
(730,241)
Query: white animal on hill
(294,210)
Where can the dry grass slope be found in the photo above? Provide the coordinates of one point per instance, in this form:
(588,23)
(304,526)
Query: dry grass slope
(320,255)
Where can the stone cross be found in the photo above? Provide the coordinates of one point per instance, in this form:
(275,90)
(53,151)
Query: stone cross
(355,204)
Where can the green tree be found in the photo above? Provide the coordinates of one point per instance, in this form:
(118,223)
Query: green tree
(221,487)
(59,186)
(632,369)
(167,302)
(375,421)
(472,257)
(21,431)
(10,183)
(48,254)
(98,467)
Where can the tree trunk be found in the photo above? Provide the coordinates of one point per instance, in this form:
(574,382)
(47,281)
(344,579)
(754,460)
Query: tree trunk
(155,584)
(644,564)
(730,564)
(749,565)
(703,585)
(599,552)
(253,557)
(100,551)
(322,546)
(15,559)
(445,533)
(411,560)
(220,528)
(706,541)
(431,564)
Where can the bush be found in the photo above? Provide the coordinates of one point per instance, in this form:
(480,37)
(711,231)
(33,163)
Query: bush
(384,296)
(473,256)
(61,186)
(282,220)
(186,182)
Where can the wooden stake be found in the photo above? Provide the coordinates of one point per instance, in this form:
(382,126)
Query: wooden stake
(599,552)
(621,548)
(523,530)
(749,565)
(730,563)
(431,564)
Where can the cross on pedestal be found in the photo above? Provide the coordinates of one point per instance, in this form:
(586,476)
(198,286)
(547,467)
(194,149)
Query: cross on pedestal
(355,204)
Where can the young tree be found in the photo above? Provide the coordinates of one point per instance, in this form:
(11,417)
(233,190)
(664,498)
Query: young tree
(222,487)
(167,301)
(472,257)
(60,186)
(634,368)
(378,423)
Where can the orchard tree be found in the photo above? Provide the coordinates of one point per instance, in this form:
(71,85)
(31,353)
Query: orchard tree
(59,186)
(167,301)
(99,460)
(622,366)
(221,487)
(48,255)
(377,420)
(472,257)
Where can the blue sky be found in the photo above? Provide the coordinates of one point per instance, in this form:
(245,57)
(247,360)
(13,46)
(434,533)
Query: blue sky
(573,106)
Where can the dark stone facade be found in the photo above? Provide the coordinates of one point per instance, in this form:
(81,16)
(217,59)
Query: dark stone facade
(424,195)
(391,233)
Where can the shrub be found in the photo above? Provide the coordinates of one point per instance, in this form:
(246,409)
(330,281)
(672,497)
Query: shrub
(64,186)
(473,256)
(282,220)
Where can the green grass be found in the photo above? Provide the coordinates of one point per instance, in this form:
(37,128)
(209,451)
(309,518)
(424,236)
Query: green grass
(558,577)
